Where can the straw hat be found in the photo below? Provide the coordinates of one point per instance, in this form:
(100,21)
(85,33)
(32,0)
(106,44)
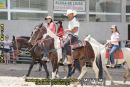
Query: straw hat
(48,17)
(113,26)
(71,11)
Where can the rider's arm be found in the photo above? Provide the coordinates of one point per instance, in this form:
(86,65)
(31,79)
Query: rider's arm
(52,27)
(116,40)
(74,30)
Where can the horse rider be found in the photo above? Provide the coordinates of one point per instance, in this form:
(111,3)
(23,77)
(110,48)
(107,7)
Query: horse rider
(50,24)
(114,41)
(60,30)
(51,31)
(73,30)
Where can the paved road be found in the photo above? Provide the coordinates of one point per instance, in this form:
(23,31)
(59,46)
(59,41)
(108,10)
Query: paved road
(19,70)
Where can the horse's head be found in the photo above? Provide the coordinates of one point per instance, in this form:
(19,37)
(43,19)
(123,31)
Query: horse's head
(37,34)
(90,39)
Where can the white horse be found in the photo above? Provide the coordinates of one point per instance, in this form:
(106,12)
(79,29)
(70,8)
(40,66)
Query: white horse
(102,49)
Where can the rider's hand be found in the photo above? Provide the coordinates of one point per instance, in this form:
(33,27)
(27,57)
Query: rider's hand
(67,30)
(108,41)
(34,42)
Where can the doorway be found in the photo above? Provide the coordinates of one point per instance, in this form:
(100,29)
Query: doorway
(128,31)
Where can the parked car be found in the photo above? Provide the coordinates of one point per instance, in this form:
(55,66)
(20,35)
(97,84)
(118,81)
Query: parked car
(127,43)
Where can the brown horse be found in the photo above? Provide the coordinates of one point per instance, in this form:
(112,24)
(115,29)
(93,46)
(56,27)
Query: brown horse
(48,44)
(20,42)
(85,55)
(36,52)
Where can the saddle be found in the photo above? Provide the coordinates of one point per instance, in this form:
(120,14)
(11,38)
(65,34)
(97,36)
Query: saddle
(77,44)
(117,55)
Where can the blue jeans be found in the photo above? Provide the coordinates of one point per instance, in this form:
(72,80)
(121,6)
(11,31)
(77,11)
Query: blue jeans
(113,49)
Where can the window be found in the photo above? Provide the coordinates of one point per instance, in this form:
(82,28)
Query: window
(128,10)
(3,16)
(29,4)
(3,4)
(62,17)
(112,6)
(27,16)
(39,4)
(105,10)
(104,18)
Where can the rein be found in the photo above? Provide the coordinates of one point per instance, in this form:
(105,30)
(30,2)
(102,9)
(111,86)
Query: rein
(38,42)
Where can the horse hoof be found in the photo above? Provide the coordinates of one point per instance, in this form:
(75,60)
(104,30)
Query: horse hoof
(25,76)
(112,83)
(75,84)
(57,76)
(47,77)
(65,77)
(124,81)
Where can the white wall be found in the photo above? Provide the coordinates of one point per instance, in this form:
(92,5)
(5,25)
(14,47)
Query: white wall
(100,31)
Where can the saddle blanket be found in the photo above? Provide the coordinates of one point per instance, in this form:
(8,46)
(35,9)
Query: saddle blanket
(117,55)
(77,45)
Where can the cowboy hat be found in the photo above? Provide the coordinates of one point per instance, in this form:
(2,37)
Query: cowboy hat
(71,11)
(48,17)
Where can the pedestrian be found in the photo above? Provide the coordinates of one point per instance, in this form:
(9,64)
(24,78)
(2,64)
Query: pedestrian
(7,48)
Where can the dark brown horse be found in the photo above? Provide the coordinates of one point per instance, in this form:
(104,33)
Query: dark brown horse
(35,50)
(85,55)
(48,44)
(20,42)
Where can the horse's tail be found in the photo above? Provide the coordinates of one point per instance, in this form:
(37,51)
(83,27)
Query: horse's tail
(99,65)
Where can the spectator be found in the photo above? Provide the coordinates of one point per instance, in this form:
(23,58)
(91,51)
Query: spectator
(7,48)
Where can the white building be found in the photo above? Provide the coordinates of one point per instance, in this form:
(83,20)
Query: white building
(95,16)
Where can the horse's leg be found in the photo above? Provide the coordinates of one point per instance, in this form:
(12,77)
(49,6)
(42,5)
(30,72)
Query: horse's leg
(40,66)
(127,71)
(126,53)
(95,69)
(30,68)
(55,68)
(105,68)
(45,67)
(83,71)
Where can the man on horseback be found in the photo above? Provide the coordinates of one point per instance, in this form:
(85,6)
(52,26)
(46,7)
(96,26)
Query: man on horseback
(72,32)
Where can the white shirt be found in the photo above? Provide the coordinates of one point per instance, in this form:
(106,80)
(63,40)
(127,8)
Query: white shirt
(115,37)
(7,44)
(73,23)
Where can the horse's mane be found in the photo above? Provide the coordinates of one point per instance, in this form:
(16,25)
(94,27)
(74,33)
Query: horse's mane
(26,37)
(92,40)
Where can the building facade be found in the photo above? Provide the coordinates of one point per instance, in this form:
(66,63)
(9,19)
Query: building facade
(95,16)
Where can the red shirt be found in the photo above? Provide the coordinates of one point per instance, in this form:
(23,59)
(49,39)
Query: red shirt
(60,31)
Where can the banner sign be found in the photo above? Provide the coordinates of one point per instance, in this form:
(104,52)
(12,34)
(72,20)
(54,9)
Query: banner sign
(62,5)
(2,4)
